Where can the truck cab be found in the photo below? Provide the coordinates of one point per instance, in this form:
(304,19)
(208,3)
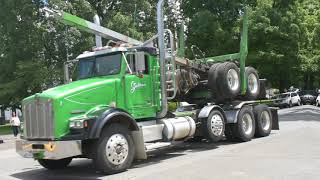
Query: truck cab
(135,74)
(127,79)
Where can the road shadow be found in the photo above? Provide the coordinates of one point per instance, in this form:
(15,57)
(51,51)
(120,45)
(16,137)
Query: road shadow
(303,113)
(84,168)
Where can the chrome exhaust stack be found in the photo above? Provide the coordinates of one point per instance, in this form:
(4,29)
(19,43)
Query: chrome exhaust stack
(96,20)
(160,24)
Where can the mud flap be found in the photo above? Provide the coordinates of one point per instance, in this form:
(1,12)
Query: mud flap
(139,144)
(275,119)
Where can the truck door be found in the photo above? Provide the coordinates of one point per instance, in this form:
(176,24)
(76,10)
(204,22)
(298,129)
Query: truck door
(138,86)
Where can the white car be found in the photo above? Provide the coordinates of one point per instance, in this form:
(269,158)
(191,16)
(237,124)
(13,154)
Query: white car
(318,100)
(288,99)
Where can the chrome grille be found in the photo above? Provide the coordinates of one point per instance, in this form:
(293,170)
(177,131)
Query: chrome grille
(38,119)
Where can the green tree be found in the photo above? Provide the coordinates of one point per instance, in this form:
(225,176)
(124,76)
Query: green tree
(33,48)
(21,63)
(274,33)
(309,44)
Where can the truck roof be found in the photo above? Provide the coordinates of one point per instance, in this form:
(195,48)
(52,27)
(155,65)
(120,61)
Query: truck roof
(102,51)
(106,50)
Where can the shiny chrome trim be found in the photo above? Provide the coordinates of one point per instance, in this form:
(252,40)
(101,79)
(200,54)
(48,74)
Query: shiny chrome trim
(52,149)
(38,119)
(160,24)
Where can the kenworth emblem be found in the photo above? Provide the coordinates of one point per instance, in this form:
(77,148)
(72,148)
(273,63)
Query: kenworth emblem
(135,86)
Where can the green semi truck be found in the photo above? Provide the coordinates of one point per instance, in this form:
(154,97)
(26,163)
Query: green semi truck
(132,97)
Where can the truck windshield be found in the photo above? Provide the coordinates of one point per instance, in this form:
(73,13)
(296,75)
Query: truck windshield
(99,66)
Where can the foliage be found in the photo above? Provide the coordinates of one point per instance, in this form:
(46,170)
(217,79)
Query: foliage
(5,129)
(284,37)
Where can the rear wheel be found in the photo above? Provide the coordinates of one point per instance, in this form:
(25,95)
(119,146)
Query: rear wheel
(263,119)
(229,81)
(114,151)
(244,129)
(253,84)
(55,164)
(213,127)
(212,79)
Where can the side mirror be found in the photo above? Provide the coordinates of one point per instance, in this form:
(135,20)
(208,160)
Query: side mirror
(140,63)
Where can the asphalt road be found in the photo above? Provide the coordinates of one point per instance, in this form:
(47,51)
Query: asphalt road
(292,153)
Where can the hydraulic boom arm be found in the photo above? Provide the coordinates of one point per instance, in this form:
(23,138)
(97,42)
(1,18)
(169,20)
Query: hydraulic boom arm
(90,27)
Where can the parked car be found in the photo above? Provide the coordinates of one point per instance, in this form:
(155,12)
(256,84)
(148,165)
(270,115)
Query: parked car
(318,100)
(288,99)
(308,97)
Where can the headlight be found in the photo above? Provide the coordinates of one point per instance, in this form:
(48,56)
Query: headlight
(78,124)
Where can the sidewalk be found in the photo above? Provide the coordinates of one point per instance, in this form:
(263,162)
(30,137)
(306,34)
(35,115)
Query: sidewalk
(8,141)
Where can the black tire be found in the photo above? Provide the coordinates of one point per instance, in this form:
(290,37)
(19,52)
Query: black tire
(237,131)
(263,117)
(252,93)
(212,78)
(215,120)
(225,92)
(299,103)
(263,91)
(55,164)
(100,159)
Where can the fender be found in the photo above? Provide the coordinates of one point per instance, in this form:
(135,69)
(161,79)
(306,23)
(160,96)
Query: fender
(110,116)
(232,115)
(275,118)
(205,111)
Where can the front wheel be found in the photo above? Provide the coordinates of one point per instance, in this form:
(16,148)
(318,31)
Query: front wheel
(114,151)
(299,103)
(55,164)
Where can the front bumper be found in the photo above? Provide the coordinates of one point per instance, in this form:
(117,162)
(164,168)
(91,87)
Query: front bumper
(48,149)
(308,101)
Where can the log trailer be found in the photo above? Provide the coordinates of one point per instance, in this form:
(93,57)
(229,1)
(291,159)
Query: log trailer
(135,97)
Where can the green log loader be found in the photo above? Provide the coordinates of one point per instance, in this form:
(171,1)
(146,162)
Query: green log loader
(131,97)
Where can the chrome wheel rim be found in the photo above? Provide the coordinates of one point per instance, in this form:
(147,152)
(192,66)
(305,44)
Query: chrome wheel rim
(247,124)
(233,79)
(253,83)
(265,120)
(117,149)
(216,125)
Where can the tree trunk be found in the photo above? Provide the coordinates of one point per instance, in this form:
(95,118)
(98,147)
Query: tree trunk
(308,81)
